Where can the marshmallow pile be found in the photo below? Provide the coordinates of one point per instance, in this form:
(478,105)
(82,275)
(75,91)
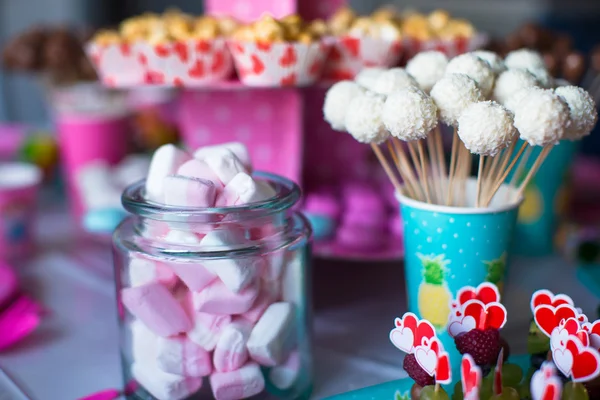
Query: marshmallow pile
(232,319)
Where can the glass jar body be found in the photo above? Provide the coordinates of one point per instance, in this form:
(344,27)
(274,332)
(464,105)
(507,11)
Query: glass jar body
(215,306)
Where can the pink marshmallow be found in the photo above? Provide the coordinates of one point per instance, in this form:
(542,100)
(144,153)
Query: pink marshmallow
(285,375)
(200,170)
(216,298)
(189,192)
(180,356)
(162,385)
(242,189)
(157,308)
(273,336)
(225,165)
(240,384)
(165,161)
(231,353)
(263,301)
(236,148)
(143,271)
(195,276)
(207,329)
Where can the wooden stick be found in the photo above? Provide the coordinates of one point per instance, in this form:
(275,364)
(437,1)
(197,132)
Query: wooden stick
(441,157)
(535,168)
(514,180)
(437,387)
(400,168)
(479,174)
(408,167)
(464,165)
(386,167)
(435,168)
(489,179)
(422,159)
(500,181)
(415,160)
(505,159)
(451,171)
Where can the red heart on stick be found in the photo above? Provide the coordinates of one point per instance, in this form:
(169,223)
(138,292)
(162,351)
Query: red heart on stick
(548,317)
(492,315)
(552,390)
(422,329)
(470,374)
(586,361)
(486,293)
(546,297)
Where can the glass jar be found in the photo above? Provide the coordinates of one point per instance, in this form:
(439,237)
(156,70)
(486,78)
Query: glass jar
(215,303)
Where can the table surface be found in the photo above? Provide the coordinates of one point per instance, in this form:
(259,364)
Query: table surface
(75,351)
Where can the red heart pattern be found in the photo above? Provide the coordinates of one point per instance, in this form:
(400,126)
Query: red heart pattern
(492,315)
(548,317)
(181,49)
(593,330)
(486,293)
(422,329)
(544,383)
(352,45)
(125,49)
(263,46)
(162,51)
(544,296)
(586,361)
(218,62)
(498,373)
(289,80)
(197,70)
(470,375)
(288,58)
(421,332)
(257,66)
(202,46)
(552,390)
(443,373)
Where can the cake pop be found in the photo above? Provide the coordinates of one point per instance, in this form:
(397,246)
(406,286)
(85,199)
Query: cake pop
(366,77)
(582,109)
(543,77)
(475,68)
(427,68)
(409,114)
(337,100)
(486,128)
(453,94)
(393,80)
(524,58)
(512,81)
(363,118)
(541,117)
(493,59)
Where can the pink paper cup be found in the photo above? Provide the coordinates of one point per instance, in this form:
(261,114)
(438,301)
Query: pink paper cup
(19,184)
(117,65)
(451,48)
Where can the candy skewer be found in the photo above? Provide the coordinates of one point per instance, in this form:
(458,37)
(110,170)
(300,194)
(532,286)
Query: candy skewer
(500,181)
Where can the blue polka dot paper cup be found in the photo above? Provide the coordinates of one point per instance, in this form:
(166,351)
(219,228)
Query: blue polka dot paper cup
(447,248)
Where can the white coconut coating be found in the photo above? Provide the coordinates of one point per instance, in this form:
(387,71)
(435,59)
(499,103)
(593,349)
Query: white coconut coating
(409,114)
(474,67)
(367,77)
(363,118)
(542,117)
(510,82)
(545,80)
(523,58)
(582,111)
(393,80)
(427,68)
(453,94)
(493,59)
(486,128)
(337,100)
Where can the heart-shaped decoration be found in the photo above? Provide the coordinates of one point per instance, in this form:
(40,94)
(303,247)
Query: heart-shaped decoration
(492,315)
(197,70)
(142,59)
(593,330)
(563,360)
(203,46)
(552,390)
(427,359)
(548,298)
(463,325)
(218,62)
(335,55)
(315,68)
(470,375)
(585,365)
(289,57)
(178,82)
(181,49)
(558,338)
(498,373)
(540,378)
(486,293)
(443,373)
(352,45)
(289,80)
(125,49)
(548,317)
(257,66)
(403,338)
(422,330)
(263,45)
(162,50)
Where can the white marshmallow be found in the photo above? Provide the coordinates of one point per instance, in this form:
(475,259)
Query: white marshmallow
(189,192)
(225,165)
(240,384)
(181,356)
(143,271)
(237,148)
(207,329)
(235,272)
(200,170)
(165,161)
(143,343)
(284,376)
(231,352)
(273,336)
(291,284)
(242,189)
(162,385)
(181,237)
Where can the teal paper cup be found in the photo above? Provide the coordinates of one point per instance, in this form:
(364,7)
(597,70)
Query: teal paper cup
(447,248)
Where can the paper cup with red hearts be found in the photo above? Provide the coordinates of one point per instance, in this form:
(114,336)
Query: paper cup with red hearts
(279,64)
(426,361)
(349,55)
(117,65)
(451,48)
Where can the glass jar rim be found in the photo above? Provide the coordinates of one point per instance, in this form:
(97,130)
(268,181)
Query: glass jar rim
(287,194)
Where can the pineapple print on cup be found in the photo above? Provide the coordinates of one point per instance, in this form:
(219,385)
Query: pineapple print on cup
(495,271)
(434,294)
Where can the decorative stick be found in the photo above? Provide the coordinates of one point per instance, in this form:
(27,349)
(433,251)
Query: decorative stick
(398,145)
(463,173)
(522,164)
(506,155)
(452,169)
(435,168)
(535,168)
(500,181)
(441,157)
(415,159)
(386,167)
(493,170)
(479,173)
(424,168)
(400,168)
